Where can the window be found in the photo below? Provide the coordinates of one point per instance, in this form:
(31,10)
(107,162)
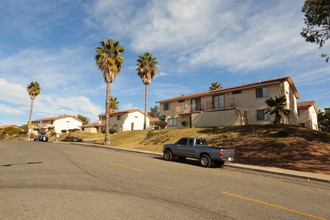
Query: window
(218,102)
(166,106)
(115,127)
(182,100)
(118,117)
(191,142)
(172,121)
(263,114)
(196,105)
(262,92)
(183,141)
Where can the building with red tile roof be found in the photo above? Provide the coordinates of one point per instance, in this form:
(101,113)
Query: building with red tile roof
(64,122)
(237,105)
(307,114)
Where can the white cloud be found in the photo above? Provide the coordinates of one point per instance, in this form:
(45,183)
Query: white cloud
(13,93)
(9,110)
(128,106)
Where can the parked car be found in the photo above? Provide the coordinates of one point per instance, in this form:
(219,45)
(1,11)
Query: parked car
(43,138)
(198,148)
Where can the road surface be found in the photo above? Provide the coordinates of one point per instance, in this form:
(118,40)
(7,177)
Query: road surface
(65,181)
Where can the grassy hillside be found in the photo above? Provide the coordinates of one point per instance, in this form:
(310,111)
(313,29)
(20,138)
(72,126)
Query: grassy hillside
(287,147)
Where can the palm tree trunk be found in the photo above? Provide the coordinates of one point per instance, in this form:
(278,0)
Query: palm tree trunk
(107,116)
(30,118)
(145,108)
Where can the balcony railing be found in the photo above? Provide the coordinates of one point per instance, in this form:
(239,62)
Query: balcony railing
(208,106)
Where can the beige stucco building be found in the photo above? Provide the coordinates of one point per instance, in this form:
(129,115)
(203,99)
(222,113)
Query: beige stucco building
(126,120)
(307,114)
(238,105)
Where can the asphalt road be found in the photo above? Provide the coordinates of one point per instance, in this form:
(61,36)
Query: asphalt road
(63,181)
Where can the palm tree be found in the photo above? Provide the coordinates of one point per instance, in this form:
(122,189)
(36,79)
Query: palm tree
(215,86)
(113,104)
(277,106)
(33,90)
(109,60)
(146,67)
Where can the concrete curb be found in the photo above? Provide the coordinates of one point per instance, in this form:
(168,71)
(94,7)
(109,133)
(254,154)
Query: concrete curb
(272,170)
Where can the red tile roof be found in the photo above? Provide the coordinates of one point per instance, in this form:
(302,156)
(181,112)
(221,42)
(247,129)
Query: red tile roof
(93,124)
(124,112)
(245,86)
(7,126)
(307,104)
(56,118)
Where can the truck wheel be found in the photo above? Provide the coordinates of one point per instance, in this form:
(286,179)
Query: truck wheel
(168,155)
(205,160)
(181,158)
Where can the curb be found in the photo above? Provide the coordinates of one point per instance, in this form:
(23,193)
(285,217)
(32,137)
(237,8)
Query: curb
(230,165)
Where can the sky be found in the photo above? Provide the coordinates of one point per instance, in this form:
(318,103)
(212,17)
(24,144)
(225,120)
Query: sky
(196,42)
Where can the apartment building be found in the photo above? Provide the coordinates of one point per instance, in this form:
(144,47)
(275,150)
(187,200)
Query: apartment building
(307,114)
(60,123)
(238,105)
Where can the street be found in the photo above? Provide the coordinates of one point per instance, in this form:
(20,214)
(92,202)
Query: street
(65,181)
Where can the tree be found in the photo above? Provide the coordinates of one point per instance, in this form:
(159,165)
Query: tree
(215,86)
(324,120)
(317,20)
(146,67)
(33,90)
(113,104)
(109,60)
(83,118)
(277,106)
(154,112)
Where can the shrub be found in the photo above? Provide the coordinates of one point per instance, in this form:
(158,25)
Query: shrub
(162,124)
(75,129)
(64,131)
(112,131)
(11,131)
(184,123)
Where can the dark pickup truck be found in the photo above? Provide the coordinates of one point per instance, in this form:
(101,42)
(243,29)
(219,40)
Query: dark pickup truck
(198,148)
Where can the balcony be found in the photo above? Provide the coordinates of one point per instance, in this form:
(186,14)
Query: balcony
(208,106)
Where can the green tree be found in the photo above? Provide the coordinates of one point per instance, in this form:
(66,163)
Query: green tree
(113,104)
(317,20)
(147,69)
(277,107)
(83,118)
(324,120)
(154,112)
(215,86)
(109,60)
(33,90)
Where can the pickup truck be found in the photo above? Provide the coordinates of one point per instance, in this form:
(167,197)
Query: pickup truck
(198,148)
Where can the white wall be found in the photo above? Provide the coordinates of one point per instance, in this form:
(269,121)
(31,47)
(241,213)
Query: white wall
(137,118)
(66,123)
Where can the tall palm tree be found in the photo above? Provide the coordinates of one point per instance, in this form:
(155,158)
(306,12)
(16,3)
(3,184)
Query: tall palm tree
(277,106)
(33,90)
(113,104)
(215,86)
(109,60)
(146,67)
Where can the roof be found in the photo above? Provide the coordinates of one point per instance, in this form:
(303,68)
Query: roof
(307,104)
(93,124)
(8,126)
(123,112)
(154,119)
(235,88)
(56,118)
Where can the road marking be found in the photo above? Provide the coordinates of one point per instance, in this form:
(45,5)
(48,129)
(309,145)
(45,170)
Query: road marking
(69,152)
(131,168)
(280,207)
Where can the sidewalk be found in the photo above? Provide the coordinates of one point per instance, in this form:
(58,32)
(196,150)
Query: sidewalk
(274,170)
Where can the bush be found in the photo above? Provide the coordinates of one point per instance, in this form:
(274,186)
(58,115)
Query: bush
(64,131)
(162,124)
(112,131)
(11,131)
(184,123)
(75,129)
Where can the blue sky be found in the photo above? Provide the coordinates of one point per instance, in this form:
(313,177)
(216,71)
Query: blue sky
(197,42)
